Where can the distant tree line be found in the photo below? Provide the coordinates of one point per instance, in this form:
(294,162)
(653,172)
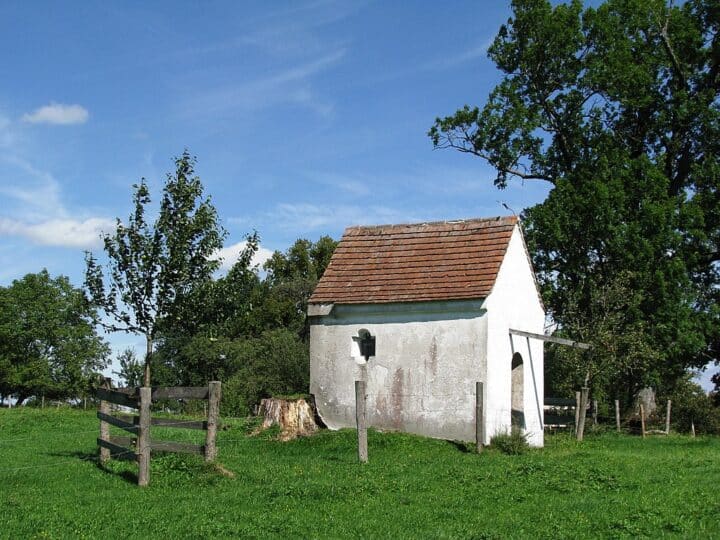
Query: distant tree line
(48,340)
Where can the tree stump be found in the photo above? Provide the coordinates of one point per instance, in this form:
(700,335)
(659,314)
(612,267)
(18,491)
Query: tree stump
(296,417)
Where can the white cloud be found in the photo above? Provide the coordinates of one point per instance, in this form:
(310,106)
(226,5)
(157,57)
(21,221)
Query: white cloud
(230,254)
(57,113)
(71,233)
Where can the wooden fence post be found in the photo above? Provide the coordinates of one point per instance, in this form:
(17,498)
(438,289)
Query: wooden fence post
(143,438)
(214,394)
(667,417)
(577,411)
(361,421)
(479,420)
(692,428)
(617,414)
(642,420)
(584,391)
(42,402)
(594,411)
(104,408)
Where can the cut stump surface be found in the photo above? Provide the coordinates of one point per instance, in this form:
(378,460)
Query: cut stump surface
(295,417)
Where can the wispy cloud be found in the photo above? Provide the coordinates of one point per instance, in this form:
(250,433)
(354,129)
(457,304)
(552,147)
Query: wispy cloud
(353,185)
(70,233)
(289,85)
(57,113)
(33,208)
(305,217)
(449,60)
(7,138)
(32,193)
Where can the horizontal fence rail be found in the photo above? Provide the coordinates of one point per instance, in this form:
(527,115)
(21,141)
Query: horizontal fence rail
(117,397)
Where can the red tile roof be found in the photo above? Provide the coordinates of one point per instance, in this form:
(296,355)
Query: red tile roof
(447,260)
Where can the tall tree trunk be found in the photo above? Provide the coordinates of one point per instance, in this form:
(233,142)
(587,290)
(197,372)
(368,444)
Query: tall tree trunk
(148,356)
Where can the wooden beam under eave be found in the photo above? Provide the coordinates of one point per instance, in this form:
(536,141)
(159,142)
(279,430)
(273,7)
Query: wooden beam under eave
(552,339)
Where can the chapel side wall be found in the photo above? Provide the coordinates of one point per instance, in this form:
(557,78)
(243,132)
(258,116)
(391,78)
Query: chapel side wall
(422,379)
(514,303)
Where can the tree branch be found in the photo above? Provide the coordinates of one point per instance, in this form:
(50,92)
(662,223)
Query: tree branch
(671,52)
(514,172)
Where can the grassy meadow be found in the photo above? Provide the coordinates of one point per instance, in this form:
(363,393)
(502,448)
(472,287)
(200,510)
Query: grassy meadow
(609,486)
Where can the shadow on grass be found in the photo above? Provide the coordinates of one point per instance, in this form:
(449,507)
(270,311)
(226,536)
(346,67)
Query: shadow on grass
(462,446)
(92,457)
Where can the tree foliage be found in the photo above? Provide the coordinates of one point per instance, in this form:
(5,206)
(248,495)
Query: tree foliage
(616,107)
(291,279)
(154,268)
(48,343)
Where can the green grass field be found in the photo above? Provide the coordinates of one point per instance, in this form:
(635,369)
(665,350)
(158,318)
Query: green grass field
(610,486)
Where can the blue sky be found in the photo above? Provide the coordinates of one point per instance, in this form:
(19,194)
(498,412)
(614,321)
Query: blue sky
(305,117)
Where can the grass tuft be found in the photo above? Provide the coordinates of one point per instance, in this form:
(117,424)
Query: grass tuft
(512,444)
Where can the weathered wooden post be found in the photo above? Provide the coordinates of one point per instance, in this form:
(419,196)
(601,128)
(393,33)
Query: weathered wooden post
(617,414)
(577,411)
(642,420)
(584,391)
(213,409)
(361,421)
(104,408)
(143,438)
(42,402)
(479,420)
(594,411)
(692,428)
(667,417)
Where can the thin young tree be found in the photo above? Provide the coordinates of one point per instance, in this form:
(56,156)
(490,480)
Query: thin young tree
(153,267)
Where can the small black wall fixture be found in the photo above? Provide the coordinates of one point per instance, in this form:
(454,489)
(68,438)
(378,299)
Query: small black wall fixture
(366,344)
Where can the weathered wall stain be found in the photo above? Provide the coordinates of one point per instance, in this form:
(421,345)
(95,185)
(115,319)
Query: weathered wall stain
(433,356)
(396,412)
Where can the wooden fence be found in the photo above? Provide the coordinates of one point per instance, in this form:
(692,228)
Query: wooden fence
(567,413)
(140,424)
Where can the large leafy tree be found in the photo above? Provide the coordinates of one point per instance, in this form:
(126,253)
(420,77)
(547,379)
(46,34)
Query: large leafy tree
(153,269)
(617,108)
(48,343)
(291,279)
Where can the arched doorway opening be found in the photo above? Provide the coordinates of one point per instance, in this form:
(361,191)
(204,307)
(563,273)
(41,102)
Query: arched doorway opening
(517,396)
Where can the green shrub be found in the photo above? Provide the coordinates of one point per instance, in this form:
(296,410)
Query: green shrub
(512,443)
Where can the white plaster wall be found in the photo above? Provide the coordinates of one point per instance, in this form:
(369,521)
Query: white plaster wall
(422,379)
(514,303)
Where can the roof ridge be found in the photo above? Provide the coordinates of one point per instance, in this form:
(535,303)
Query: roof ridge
(513,218)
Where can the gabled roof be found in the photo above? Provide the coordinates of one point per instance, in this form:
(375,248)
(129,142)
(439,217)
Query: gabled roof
(446,260)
